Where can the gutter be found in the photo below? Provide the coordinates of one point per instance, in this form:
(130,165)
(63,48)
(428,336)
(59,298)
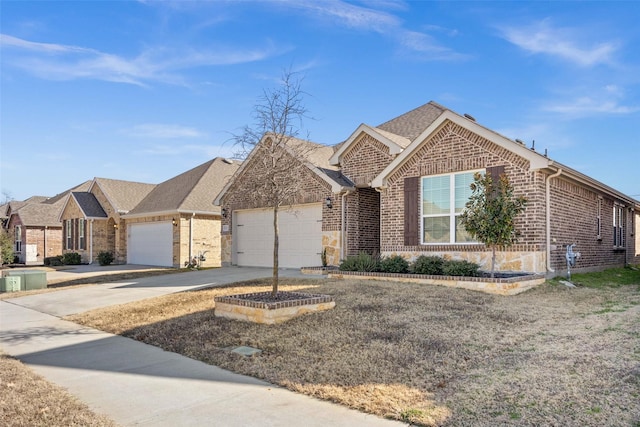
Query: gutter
(548,216)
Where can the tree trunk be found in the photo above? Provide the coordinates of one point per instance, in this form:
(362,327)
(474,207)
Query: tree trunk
(493,259)
(276,244)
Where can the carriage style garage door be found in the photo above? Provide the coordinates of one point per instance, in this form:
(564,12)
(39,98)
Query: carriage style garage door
(300,236)
(150,244)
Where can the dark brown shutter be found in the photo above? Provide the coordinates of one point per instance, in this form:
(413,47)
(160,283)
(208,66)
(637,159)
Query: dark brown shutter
(64,234)
(495,172)
(411,205)
(76,233)
(84,233)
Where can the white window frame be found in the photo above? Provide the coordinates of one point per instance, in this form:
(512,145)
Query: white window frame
(452,207)
(18,239)
(618,226)
(599,219)
(68,243)
(81,233)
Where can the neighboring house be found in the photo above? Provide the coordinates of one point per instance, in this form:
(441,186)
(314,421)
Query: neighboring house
(92,220)
(411,179)
(177,222)
(168,224)
(34,226)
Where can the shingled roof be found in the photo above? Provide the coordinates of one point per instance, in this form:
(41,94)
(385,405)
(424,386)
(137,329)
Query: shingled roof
(89,205)
(191,191)
(411,124)
(39,214)
(123,195)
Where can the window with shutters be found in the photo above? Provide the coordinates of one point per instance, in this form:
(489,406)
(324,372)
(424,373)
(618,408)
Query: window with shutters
(68,240)
(443,198)
(18,238)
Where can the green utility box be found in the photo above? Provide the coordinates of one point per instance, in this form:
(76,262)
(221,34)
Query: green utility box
(10,284)
(29,279)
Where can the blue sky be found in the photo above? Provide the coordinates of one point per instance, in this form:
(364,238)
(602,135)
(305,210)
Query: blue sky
(145,90)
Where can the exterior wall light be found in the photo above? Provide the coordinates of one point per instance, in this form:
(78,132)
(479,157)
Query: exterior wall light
(115,225)
(224,212)
(328,203)
(174,222)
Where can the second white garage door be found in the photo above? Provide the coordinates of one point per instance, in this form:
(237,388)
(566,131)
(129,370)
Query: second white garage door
(300,236)
(150,244)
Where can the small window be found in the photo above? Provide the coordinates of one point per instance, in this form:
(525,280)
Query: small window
(68,240)
(599,220)
(81,239)
(18,238)
(618,226)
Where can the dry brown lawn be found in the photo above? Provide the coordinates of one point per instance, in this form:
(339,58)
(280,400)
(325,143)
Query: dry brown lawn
(425,354)
(26,399)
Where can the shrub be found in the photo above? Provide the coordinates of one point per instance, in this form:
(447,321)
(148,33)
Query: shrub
(428,265)
(53,261)
(105,258)
(71,258)
(361,262)
(394,264)
(460,268)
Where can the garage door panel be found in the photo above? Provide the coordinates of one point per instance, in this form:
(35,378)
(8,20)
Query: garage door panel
(150,244)
(300,236)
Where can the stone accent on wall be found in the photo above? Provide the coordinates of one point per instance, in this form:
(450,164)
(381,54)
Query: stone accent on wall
(526,261)
(332,242)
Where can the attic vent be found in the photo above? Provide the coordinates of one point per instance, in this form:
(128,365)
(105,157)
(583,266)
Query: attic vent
(470,117)
(519,141)
(227,161)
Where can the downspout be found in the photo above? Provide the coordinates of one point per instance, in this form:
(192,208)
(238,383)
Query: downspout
(44,238)
(191,237)
(91,241)
(548,225)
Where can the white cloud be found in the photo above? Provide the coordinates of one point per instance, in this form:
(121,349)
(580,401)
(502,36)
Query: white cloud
(381,22)
(587,105)
(64,62)
(565,43)
(163,131)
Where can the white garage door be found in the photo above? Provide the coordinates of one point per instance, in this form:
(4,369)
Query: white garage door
(300,232)
(150,244)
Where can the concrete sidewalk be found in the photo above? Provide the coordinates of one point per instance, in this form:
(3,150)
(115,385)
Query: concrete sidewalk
(138,384)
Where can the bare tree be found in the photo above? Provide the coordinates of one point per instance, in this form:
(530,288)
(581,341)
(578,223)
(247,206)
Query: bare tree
(279,156)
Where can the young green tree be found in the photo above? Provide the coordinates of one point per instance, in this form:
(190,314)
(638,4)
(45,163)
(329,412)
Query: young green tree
(490,213)
(281,156)
(6,247)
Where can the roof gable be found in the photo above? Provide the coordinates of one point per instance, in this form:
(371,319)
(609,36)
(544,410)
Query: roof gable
(314,156)
(536,160)
(89,205)
(122,195)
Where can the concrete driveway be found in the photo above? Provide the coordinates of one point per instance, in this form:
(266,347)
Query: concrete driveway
(77,300)
(141,385)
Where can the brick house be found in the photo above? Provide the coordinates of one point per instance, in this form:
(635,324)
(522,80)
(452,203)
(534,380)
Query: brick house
(163,225)
(177,221)
(410,180)
(92,220)
(33,224)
